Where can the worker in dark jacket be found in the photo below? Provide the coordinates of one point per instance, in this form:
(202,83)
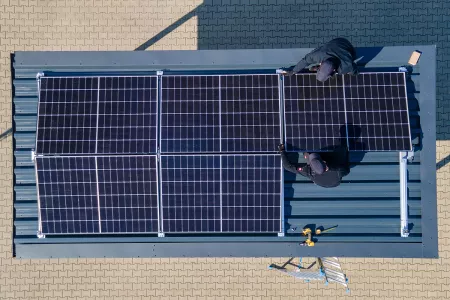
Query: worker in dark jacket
(335,57)
(323,173)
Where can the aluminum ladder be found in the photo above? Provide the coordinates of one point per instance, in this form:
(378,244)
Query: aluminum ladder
(328,270)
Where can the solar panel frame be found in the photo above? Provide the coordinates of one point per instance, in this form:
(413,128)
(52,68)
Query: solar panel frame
(100,197)
(221,121)
(220,209)
(94,136)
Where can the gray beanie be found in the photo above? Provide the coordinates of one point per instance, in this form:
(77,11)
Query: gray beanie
(326,69)
(316,163)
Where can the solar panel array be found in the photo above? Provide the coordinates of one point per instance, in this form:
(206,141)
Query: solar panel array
(95,134)
(92,193)
(220,113)
(368,112)
(97,115)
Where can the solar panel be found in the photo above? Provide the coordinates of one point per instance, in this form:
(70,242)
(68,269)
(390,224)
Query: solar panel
(89,115)
(190,193)
(67,117)
(190,114)
(368,112)
(128,194)
(67,192)
(314,113)
(104,194)
(128,115)
(220,113)
(251,189)
(377,112)
(221,193)
(250,111)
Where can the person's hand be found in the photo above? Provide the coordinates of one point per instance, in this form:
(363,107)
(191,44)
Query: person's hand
(287,73)
(281,147)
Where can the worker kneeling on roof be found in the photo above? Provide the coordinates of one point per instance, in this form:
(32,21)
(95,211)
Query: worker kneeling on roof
(335,57)
(317,169)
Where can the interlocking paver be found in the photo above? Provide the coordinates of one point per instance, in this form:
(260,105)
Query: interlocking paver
(125,25)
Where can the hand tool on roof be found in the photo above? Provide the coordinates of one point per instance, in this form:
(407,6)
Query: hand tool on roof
(309,233)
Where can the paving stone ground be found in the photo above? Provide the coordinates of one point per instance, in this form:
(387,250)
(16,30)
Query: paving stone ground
(126,25)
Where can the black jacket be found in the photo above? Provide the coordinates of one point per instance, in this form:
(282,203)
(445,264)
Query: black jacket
(339,48)
(338,167)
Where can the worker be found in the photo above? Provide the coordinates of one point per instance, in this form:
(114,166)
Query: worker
(335,57)
(323,173)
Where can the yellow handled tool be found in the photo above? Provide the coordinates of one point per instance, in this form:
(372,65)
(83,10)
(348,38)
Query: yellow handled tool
(308,232)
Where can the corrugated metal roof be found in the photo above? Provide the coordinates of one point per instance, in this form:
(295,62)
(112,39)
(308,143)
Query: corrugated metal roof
(365,207)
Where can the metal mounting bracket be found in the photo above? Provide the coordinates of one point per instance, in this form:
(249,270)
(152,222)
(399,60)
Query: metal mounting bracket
(404,157)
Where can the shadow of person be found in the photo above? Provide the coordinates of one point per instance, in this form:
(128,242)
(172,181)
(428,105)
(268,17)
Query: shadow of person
(292,157)
(352,133)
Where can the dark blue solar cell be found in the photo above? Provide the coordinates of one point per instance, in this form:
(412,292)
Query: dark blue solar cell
(67,195)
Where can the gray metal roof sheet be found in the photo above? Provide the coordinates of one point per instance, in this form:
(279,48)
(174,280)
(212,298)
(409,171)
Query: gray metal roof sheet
(365,206)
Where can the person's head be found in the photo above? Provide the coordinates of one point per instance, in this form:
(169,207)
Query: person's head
(327,69)
(318,166)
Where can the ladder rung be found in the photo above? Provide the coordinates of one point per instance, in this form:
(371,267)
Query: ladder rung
(336,278)
(331,263)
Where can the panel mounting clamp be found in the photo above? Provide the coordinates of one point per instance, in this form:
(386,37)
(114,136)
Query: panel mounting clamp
(39,75)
